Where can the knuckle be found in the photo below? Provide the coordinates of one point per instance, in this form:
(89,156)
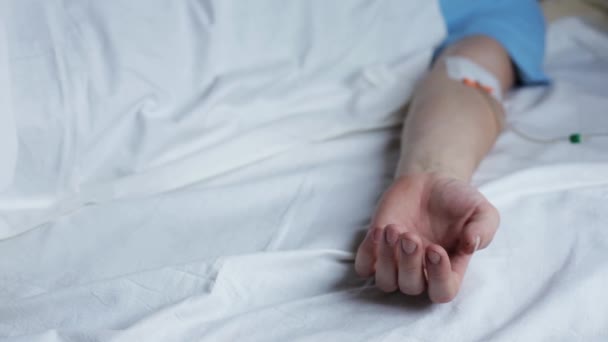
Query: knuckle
(412,237)
(386,287)
(392,227)
(411,289)
(386,282)
(409,267)
(443,297)
(363,271)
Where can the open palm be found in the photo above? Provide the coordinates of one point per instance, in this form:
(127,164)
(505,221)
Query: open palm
(423,234)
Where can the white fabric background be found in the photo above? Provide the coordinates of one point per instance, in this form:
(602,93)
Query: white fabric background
(177,182)
(8,135)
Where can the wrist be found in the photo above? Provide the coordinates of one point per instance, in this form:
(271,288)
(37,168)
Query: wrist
(409,166)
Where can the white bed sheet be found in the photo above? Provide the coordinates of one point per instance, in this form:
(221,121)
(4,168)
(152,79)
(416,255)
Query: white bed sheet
(8,134)
(249,236)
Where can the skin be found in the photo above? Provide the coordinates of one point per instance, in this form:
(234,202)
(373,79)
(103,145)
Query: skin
(430,221)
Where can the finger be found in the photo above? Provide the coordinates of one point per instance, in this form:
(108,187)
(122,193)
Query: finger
(386,268)
(410,271)
(459,262)
(443,283)
(366,254)
(480,230)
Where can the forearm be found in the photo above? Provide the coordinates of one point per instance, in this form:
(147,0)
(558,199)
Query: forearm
(450,127)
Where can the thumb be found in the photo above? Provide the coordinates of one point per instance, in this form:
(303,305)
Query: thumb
(480,230)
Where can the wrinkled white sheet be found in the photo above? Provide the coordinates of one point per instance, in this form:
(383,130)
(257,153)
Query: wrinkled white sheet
(176,181)
(130,99)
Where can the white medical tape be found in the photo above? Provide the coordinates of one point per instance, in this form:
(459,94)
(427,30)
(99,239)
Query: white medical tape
(462,68)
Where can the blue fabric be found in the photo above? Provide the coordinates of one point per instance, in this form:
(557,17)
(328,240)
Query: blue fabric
(519,25)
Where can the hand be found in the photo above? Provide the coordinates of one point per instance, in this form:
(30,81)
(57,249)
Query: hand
(425,230)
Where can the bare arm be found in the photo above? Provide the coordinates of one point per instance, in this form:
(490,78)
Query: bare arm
(451,127)
(430,221)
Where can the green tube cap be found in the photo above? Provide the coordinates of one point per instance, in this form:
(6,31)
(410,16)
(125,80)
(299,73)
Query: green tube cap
(575,138)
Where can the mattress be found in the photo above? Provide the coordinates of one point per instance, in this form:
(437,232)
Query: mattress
(173,181)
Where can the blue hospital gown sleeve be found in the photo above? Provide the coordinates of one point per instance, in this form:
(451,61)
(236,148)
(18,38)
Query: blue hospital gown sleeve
(519,25)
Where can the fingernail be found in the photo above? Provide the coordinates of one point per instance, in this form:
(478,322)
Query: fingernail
(433,257)
(408,246)
(477,242)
